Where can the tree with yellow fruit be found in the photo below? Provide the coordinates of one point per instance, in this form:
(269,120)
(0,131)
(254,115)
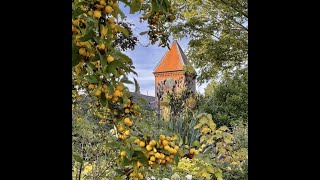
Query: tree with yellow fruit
(100,72)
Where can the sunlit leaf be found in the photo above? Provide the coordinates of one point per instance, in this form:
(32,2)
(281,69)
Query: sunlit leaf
(123,30)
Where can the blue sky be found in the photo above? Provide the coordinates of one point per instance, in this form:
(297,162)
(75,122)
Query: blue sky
(145,59)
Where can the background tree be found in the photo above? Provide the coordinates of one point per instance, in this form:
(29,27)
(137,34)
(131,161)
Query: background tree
(218,33)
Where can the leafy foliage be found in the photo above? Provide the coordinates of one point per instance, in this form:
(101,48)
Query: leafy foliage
(227,101)
(218,144)
(218,30)
(125,39)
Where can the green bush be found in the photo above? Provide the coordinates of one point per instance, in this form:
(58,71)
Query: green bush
(227,100)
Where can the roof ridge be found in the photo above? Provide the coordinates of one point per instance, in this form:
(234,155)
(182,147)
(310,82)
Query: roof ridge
(184,57)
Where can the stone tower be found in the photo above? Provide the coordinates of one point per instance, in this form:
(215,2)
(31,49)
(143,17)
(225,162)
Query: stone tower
(169,74)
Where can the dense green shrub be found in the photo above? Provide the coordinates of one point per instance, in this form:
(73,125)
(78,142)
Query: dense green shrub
(227,100)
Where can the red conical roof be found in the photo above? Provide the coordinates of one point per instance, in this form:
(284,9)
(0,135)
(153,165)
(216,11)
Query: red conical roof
(173,60)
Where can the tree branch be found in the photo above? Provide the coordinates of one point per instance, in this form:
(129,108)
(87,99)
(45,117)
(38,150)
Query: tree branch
(243,27)
(234,8)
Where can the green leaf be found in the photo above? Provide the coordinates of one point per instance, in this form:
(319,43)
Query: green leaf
(126,80)
(199,115)
(93,78)
(131,139)
(81,3)
(227,140)
(129,153)
(137,87)
(137,154)
(95,58)
(137,148)
(196,143)
(125,99)
(111,68)
(77,158)
(113,145)
(218,135)
(160,5)
(223,128)
(109,33)
(164,151)
(123,30)
(120,172)
(103,99)
(198,126)
(122,15)
(206,175)
(143,33)
(143,159)
(123,57)
(186,139)
(210,169)
(90,65)
(154,6)
(118,178)
(203,138)
(77,12)
(125,161)
(156,166)
(91,21)
(134,72)
(165,5)
(75,56)
(209,116)
(176,158)
(87,36)
(212,125)
(134,6)
(125,2)
(99,115)
(110,88)
(103,59)
(218,175)
(116,64)
(148,171)
(97,40)
(180,141)
(210,140)
(203,120)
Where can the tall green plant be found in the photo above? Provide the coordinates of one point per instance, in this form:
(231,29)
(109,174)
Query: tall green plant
(183,126)
(182,108)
